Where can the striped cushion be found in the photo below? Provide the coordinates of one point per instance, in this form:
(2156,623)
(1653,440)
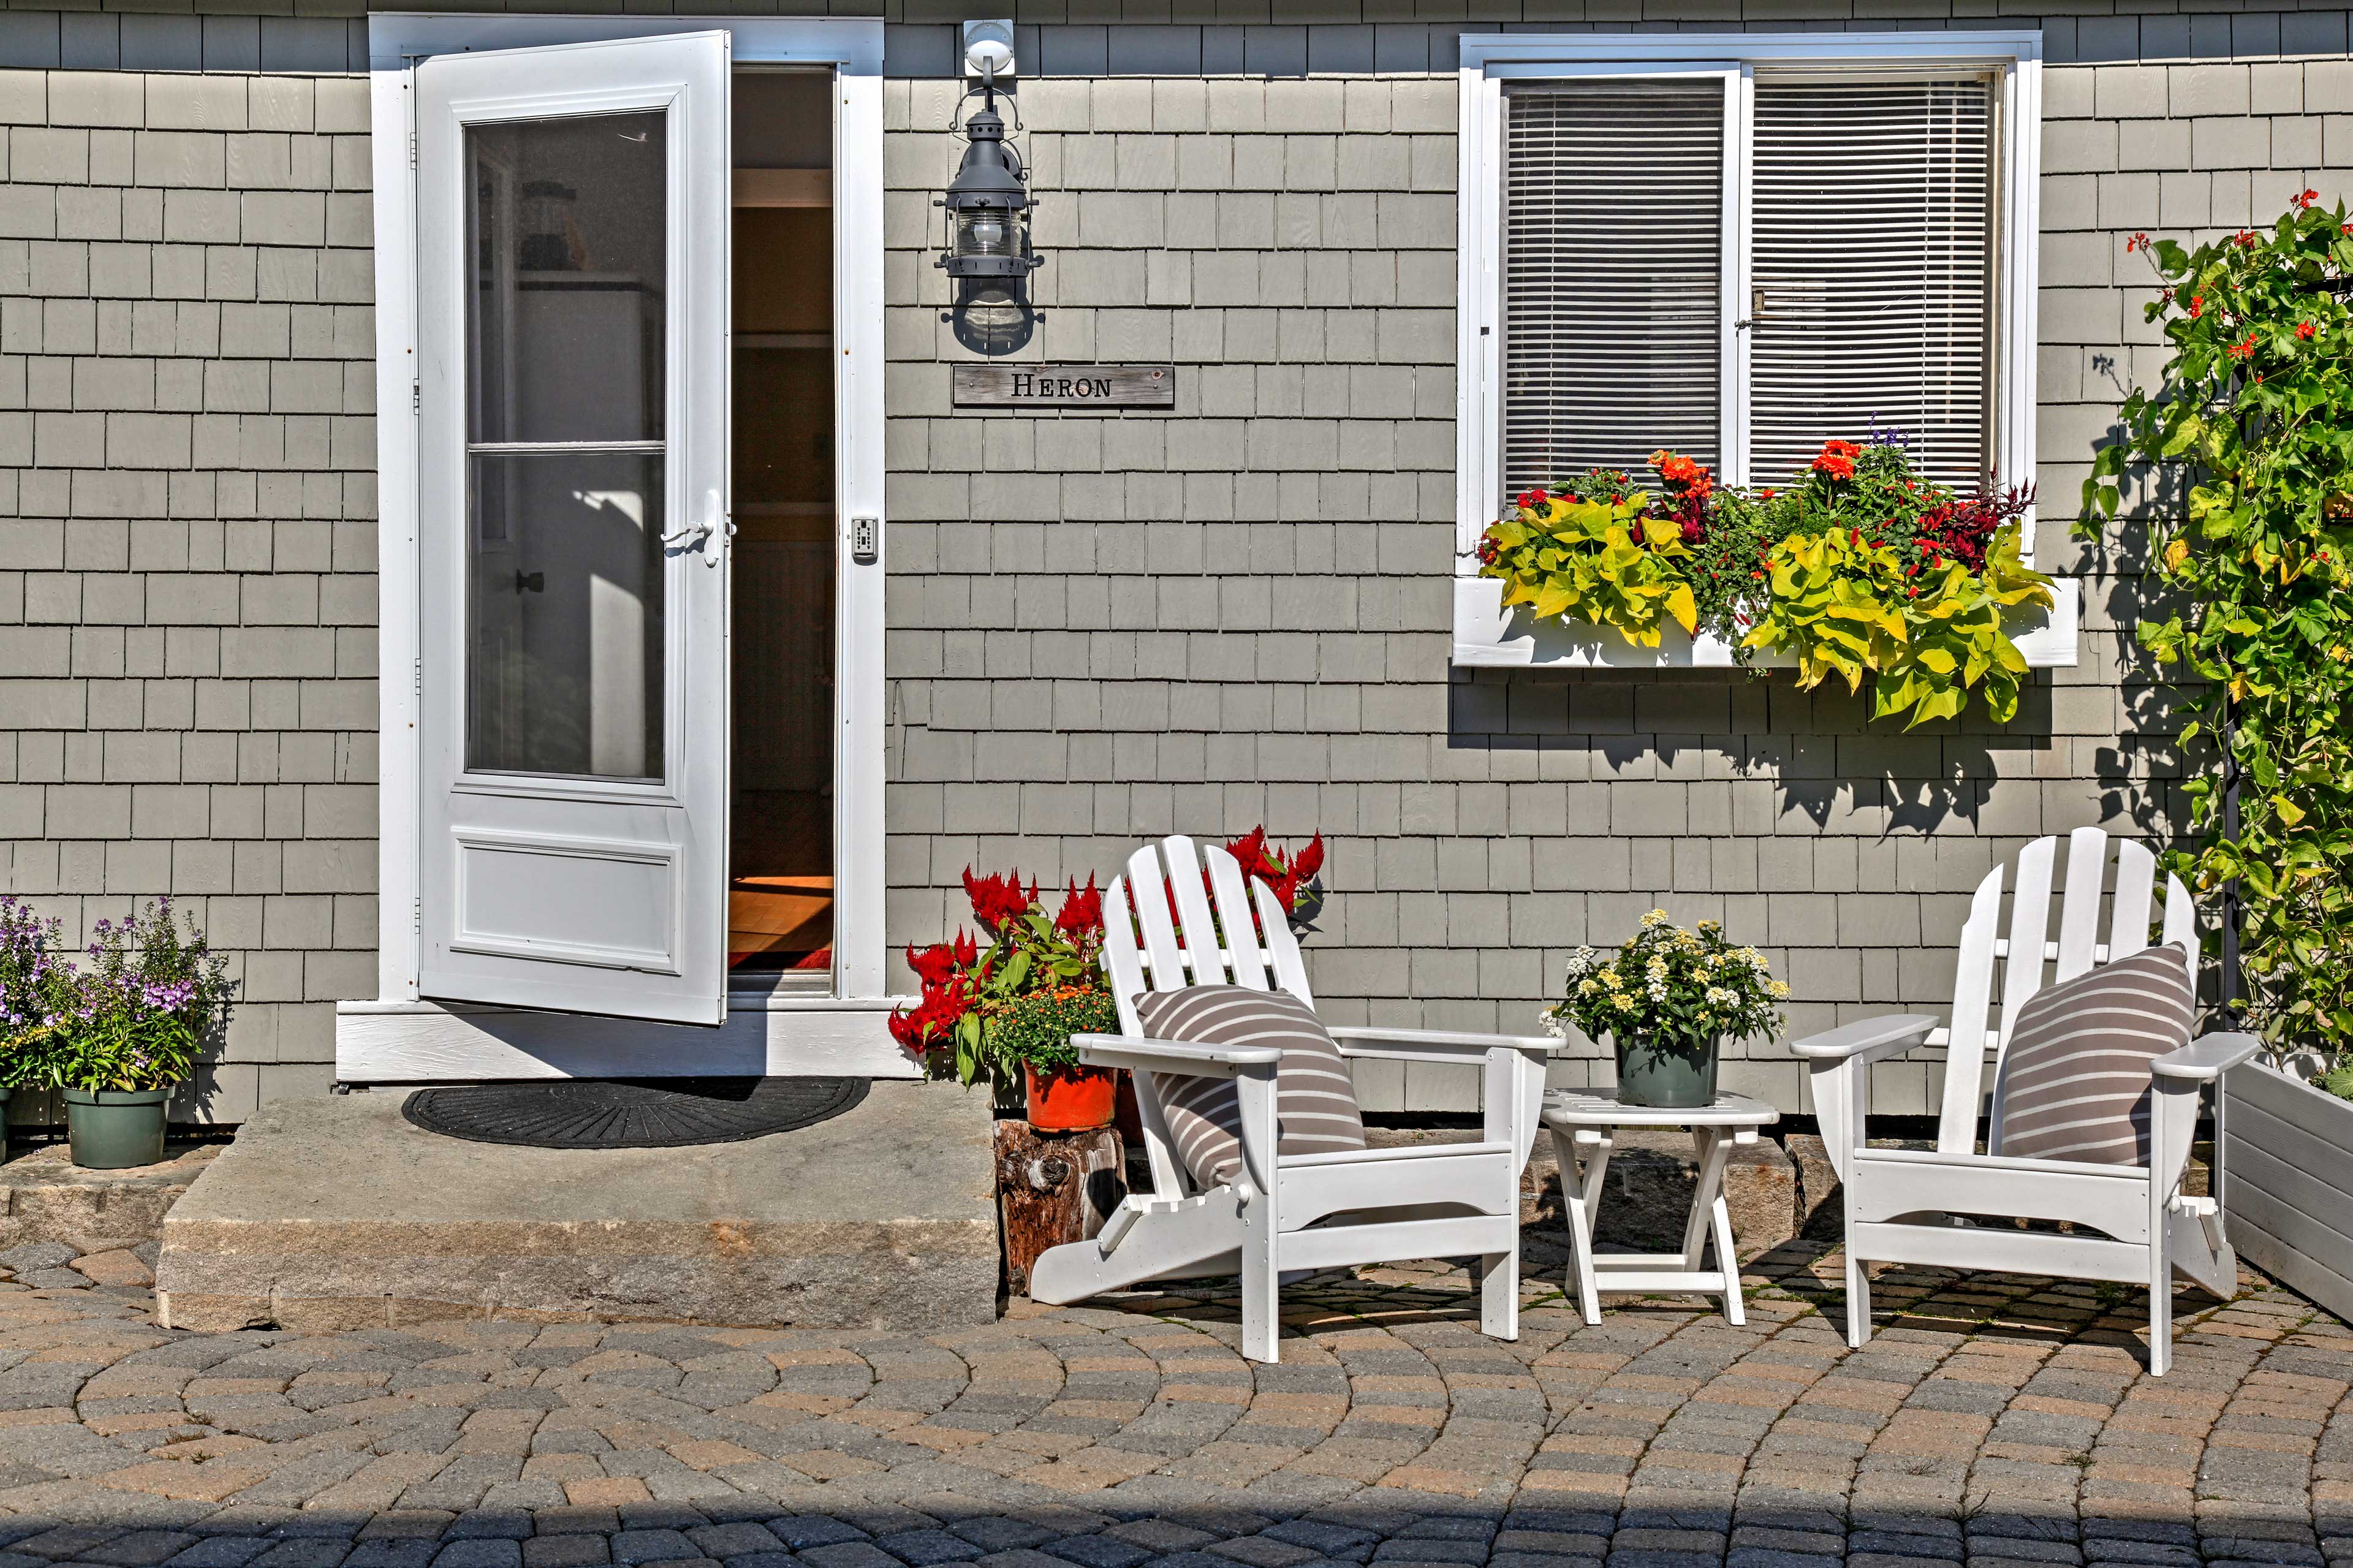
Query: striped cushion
(2076,1083)
(1315,1100)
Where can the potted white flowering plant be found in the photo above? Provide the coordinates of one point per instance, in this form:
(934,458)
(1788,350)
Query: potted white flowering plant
(1668,998)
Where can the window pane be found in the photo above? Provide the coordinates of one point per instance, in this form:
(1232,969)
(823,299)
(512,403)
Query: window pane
(568,249)
(1613,196)
(564,613)
(1873,272)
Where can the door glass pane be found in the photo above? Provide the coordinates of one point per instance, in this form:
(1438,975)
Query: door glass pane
(564,613)
(565,566)
(569,249)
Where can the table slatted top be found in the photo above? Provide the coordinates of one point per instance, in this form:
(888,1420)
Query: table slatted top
(1566,1108)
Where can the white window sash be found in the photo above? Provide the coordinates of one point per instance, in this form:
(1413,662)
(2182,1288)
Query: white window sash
(2013,56)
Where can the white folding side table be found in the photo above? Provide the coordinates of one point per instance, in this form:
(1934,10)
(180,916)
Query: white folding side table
(1585,1124)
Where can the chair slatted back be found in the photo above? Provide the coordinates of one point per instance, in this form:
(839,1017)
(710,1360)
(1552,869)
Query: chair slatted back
(1208,939)
(2028,958)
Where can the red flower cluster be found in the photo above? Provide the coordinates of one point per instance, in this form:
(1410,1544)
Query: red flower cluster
(947,974)
(2244,239)
(998,898)
(1837,459)
(2138,242)
(1081,910)
(2304,330)
(1287,874)
(2303,200)
(1960,529)
(2245,349)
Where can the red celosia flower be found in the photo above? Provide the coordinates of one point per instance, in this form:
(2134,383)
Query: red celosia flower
(1081,910)
(997,900)
(933,964)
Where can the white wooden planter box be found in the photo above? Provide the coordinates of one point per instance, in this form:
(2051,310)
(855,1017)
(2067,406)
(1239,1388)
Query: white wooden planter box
(2287,1182)
(1487,634)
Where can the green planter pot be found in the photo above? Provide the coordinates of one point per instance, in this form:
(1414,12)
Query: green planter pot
(1677,1076)
(113,1129)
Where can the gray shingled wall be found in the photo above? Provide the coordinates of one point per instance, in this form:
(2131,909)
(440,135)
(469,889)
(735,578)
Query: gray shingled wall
(1199,622)
(187,596)
(1105,629)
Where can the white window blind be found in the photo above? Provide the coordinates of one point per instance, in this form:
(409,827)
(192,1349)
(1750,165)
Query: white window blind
(1612,275)
(1872,272)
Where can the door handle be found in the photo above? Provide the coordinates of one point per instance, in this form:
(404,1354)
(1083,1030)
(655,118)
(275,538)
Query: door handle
(715,523)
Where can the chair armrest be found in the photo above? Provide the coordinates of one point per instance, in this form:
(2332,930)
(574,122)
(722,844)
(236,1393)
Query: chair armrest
(1141,1053)
(2206,1058)
(1448,1042)
(1868,1039)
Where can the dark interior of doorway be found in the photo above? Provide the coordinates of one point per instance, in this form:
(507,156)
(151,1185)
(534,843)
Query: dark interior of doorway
(780,869)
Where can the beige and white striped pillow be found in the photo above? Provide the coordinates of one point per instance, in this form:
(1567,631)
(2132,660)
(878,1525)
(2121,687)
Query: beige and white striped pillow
(2076,1083)
(1314,1099)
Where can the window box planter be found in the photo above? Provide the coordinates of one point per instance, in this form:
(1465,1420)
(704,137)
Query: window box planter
(2287,1181)
(1487,634)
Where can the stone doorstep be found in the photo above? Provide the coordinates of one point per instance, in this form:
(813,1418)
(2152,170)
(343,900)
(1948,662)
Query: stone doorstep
(338,1211)
(48,1198)
(1649,1191)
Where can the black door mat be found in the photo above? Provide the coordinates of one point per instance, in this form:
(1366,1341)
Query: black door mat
(631,1113)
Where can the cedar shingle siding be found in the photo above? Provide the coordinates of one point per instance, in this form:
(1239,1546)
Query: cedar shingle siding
(1241,612)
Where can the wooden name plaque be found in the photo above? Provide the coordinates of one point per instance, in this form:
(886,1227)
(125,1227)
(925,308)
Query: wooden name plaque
(1065,386)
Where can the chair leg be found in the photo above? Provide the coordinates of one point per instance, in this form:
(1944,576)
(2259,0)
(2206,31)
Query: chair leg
(1499,1295)
(1262,1283)
(2160,1309)
(1858,1299)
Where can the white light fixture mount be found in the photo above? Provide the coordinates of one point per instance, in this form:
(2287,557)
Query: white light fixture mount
(989,51)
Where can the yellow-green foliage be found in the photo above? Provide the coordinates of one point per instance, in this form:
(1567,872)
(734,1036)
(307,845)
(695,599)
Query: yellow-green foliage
(1842,605)
(1581,560)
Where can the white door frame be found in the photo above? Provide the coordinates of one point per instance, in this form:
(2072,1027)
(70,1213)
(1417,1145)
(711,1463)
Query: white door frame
(399,1036)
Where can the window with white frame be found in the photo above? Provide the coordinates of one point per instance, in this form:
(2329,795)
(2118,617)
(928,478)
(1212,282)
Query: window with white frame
(1741,245)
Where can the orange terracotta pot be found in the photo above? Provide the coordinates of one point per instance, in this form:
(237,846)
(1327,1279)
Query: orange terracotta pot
(1070,1100)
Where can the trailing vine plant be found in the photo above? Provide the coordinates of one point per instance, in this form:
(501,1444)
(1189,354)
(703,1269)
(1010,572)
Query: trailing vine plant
(2242,464)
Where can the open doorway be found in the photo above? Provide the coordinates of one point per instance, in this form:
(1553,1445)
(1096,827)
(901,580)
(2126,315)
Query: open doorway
(780,874)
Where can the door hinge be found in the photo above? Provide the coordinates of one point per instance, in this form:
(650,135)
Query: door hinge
(417,398)
(412,148)
(417,915)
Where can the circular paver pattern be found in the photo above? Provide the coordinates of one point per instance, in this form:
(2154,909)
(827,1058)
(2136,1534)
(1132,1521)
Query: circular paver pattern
(1992,1420)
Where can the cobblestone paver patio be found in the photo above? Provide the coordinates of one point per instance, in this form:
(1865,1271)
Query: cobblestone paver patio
(1997,1421)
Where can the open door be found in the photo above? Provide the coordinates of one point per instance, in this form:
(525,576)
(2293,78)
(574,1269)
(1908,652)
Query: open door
(572,403)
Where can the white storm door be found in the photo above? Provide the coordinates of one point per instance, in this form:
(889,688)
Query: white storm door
(572,399)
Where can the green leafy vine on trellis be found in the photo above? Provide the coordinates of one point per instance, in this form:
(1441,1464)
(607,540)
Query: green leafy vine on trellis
(2242,464)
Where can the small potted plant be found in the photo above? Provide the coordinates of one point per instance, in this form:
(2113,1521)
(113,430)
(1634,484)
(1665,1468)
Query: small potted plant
(1035,1030)
(1668,998)
(125,1030)
(35,982)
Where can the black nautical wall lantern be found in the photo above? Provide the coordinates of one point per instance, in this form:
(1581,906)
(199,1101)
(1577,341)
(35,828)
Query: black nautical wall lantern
(987,203)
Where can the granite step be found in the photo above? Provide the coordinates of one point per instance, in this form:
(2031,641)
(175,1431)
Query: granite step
(338,1212)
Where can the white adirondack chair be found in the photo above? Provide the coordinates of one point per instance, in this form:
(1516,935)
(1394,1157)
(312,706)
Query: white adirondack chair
(1287,1215)
(1914,1206)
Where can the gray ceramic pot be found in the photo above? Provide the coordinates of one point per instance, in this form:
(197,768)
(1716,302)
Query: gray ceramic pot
(113,1129)
(1666,1073)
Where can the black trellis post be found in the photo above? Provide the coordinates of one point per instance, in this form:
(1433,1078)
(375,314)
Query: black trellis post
(2231,887)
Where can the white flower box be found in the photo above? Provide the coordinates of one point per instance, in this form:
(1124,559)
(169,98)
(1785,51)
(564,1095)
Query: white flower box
(1486,633)
(2287,1182)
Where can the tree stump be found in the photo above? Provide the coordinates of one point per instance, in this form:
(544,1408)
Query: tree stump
(1051,1188)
